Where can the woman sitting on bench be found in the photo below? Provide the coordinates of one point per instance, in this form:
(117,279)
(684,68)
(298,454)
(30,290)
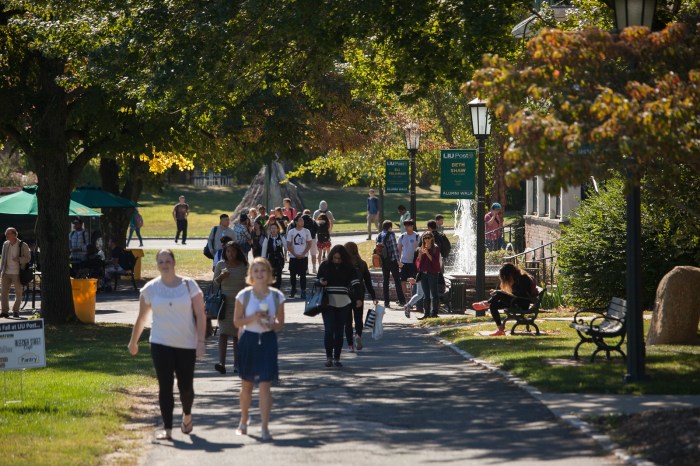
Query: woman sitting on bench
(515,283)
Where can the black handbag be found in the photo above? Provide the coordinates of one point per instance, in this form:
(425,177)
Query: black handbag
(26,274)
(214,304)
(316,302)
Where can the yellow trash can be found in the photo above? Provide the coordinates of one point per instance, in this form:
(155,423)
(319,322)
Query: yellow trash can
(84,298)
(138,254)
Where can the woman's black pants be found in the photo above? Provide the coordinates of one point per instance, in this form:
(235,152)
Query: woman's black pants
(334,326)
(170,362)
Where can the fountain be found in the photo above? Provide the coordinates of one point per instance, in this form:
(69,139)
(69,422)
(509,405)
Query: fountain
(462,271)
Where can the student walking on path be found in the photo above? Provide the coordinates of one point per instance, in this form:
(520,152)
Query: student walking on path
(338,276)
(298,245)
(229,276)
(429,266)
(260,313)
(176,338)
(356,316)
(274,251)
(180,213)
(390,264)
(135,225)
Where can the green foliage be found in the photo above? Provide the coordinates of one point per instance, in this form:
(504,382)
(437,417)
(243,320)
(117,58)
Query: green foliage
(554,296)
(591,251)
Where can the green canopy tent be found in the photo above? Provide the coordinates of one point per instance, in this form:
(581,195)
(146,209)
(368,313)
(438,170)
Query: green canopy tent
(95,197)
(25,203)
(20,210)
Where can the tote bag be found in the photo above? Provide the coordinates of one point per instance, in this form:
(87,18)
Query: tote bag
(316,302)
(214,303)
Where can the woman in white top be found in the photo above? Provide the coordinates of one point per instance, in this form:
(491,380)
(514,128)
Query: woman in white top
(259,313)
(176,338)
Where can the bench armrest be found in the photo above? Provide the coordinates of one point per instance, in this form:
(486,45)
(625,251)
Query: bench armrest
(600,311)
(605,318)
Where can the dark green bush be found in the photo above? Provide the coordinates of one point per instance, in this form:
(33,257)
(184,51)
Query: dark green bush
(592,256)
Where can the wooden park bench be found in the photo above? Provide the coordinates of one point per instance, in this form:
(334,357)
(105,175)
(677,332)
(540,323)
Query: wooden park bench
(607,328)
(524,311)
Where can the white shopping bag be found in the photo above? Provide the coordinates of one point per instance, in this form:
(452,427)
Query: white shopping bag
(378,331)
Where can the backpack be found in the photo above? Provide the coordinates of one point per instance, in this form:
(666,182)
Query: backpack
(127,260)
(443,243)
(138,220)
(380,250)
(212,235)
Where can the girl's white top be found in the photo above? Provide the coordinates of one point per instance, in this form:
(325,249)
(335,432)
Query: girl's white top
(173,317)
(254,306)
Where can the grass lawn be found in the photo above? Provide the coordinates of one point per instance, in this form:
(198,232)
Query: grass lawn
(546,363)
(73,411)
(347,205)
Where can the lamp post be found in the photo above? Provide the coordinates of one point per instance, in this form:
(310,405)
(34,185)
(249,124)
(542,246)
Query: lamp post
(634,13)
(481,127)
(412,133)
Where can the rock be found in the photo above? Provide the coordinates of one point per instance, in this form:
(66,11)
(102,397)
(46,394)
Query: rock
(677,311)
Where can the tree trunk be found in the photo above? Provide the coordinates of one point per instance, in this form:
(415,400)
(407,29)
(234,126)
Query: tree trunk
(53,197)
(115,222)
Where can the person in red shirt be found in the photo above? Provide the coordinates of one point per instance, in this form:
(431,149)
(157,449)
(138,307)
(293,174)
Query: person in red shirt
(428,262)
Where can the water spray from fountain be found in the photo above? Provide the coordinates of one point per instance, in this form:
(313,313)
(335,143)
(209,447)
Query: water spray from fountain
(465,230)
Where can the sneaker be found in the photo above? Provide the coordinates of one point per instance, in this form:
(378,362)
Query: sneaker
(369,238)
(387,305)
(407,312)
(291,295)
(303,295)
(313,270)
(351,348)
(220,368)
(16,314)
(5,315)
(329,363)
(497,333)
(183,243)
(337,363)
(480,306)
(358,342)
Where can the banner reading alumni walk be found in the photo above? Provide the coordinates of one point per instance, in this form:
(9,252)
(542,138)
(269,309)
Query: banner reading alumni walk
(457,173)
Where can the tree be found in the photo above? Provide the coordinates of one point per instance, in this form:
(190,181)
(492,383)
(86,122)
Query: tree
(582,103)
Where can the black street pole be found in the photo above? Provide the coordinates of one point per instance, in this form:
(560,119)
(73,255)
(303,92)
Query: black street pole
(414,214)
(635,323)
(480,227)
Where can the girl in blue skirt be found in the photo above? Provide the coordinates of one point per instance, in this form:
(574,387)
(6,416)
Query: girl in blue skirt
(259,313)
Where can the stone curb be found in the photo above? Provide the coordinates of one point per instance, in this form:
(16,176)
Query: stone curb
(602,439)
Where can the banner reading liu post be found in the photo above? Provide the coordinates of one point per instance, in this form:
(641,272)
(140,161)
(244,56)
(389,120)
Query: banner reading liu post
(396,176)
(457,173)
(22,345)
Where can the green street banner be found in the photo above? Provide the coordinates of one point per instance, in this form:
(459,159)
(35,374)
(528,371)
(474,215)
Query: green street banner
(396,176)
(457,173)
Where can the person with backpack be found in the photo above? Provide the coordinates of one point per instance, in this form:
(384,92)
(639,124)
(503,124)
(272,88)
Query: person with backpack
(389,253)
(356,315)
(445,246)
(408,246)
(273,250)
(15,256)
(214,244)
(135,225)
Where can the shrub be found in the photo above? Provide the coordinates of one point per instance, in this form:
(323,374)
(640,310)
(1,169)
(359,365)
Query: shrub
(592,248)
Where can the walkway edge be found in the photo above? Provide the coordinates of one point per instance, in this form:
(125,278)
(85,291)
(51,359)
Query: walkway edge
(603,440)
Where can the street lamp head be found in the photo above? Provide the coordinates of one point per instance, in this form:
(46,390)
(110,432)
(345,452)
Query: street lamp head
(412,133)
(481,118)
(634,13)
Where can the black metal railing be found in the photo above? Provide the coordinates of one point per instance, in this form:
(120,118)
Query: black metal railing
(540,262)
(512,234)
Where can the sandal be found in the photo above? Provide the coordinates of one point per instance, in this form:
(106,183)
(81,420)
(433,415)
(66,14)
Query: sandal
(186,427)
(242,429)
(163,435)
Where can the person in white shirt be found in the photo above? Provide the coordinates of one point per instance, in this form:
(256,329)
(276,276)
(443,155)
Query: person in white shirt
(15,254)
(176,338)
(260,313)
(408,243)
(298,245)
